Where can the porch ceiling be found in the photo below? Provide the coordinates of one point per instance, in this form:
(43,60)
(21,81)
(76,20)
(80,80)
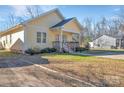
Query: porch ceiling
(70,31)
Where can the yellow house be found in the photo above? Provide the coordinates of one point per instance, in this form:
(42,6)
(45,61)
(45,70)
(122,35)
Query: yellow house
(50,29)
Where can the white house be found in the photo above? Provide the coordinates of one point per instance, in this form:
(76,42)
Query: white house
(104,41)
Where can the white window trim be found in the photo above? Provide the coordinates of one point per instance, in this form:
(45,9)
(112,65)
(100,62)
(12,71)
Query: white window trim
(41,38)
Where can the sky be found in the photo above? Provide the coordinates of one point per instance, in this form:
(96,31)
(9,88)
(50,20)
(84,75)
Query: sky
(81,12)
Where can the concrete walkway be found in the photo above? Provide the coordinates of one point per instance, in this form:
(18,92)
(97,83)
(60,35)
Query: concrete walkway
(121,57)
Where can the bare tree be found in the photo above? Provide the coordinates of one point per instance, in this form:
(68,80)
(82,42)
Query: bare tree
(30,11)
(114,26)
(102,26)
(33,11)
(87,23)
(120,15)
(12,19)
(87,32)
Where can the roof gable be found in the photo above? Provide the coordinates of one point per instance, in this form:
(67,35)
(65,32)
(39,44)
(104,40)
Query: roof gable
(44,14)
(30,20)
(103,36)
(66,21)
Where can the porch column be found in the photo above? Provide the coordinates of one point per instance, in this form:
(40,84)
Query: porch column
(119,43)
(80,39)
(61,40)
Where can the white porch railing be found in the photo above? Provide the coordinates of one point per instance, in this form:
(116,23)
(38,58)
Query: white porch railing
(66,46)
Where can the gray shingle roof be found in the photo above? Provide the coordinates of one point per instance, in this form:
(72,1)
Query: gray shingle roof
(62,22)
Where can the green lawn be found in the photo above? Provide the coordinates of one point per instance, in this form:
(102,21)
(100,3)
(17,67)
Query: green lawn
(78,58)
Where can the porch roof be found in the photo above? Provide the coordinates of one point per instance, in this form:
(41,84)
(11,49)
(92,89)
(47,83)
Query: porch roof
(62,23)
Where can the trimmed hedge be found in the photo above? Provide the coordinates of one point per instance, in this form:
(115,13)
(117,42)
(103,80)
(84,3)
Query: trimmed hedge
(30,51)
(80,49)
(37,51)
(48,50)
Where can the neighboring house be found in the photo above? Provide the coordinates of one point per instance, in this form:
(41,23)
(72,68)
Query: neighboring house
(50,29)
(104,41)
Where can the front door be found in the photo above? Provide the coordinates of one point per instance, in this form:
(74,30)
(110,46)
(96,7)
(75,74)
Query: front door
(64,38)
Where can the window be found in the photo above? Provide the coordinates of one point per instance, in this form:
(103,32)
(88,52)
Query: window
(10,38)
(41,37)
(44,38)
(38,37)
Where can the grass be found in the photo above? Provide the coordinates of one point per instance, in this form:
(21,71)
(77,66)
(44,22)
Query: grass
(77,58)
(96,70)
(65,57)
(4,53)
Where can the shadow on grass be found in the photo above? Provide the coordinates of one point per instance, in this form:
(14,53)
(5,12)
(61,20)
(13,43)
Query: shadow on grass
(21,61)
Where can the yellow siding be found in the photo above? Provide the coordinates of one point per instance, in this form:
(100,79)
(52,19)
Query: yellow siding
(72,25)
(41,25)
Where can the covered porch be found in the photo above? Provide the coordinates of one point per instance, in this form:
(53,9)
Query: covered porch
(66,41)
(70,46)
(66,35)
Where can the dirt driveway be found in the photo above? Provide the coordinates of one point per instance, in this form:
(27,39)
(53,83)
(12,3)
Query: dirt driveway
(24,70)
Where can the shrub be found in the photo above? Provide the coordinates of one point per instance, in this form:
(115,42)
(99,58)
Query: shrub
(80,49)
(45,50)
(33,51)
(53,50)
(36,50)
(30,51)
(48,50)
